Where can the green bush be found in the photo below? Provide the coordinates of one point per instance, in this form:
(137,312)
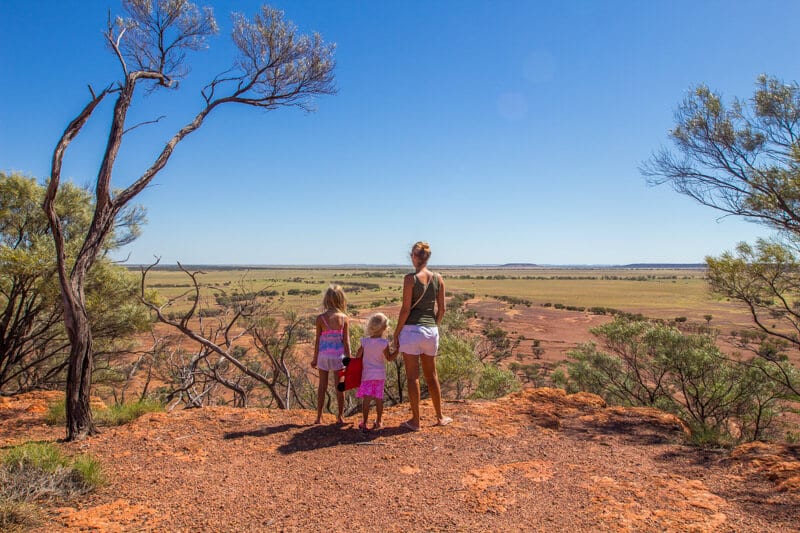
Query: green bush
(457,365)
(650,364)
(495,382)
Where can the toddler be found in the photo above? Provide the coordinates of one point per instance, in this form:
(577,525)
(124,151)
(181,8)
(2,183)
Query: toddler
(375,352)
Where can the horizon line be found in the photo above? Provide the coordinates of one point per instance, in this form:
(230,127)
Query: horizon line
(521,266)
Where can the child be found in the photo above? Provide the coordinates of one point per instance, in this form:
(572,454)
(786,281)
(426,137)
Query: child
(331,346)
(374,349)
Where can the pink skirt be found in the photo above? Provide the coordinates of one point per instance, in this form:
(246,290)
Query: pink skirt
(372,388)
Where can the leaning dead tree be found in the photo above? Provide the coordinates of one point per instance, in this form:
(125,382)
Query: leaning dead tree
(274,67)
(221,359)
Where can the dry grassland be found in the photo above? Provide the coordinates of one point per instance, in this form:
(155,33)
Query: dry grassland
(657,293)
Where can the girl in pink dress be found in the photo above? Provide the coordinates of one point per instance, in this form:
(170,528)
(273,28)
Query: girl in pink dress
(375,352)
(331,346)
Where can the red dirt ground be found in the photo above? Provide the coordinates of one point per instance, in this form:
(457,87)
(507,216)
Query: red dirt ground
(538,460)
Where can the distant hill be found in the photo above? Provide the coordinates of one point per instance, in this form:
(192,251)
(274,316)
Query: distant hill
(519,265)
(665,265)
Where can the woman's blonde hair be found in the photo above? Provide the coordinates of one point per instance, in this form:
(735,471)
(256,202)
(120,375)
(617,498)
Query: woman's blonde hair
(421,250)
(376,324)
(334,299)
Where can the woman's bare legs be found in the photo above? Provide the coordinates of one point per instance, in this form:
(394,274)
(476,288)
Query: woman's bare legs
(412,377)
(432,379)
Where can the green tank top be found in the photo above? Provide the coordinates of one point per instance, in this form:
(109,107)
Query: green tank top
(423,313)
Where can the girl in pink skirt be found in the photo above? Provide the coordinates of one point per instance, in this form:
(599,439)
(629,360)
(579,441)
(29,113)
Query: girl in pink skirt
(375,351)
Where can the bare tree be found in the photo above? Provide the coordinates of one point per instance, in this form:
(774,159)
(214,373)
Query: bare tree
(275,67)
(277,343)
(222,359)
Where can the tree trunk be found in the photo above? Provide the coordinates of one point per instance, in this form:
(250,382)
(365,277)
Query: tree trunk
(80,423)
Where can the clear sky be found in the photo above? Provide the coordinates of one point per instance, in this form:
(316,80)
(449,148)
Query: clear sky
(499,131)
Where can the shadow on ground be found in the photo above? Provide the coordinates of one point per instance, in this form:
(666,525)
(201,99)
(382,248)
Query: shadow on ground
(263,432)
(316,437)
(319,436)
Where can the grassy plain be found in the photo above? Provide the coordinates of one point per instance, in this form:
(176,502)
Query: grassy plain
(657,293)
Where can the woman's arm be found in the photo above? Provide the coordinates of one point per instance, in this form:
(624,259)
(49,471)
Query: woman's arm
(440,305)
(360,352)
(388,355)
(405,309)
(316,343)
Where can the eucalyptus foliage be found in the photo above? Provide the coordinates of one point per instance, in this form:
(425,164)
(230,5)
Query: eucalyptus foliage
(743,158)
(33,343)
(656,365)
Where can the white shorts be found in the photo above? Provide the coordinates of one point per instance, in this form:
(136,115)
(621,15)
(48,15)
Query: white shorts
(418,340)
(330,363)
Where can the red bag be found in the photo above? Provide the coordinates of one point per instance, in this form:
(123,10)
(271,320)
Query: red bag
(352,373)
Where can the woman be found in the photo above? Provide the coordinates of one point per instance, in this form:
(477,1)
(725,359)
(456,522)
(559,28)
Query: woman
(417,332)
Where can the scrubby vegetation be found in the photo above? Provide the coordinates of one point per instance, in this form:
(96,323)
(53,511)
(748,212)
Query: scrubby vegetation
(723,400)
(35,471)
(468,364)
(116,415)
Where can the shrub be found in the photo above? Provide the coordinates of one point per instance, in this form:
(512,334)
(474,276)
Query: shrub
(496,382)
(457,365)
(535,374)
(37,470)
(648,364)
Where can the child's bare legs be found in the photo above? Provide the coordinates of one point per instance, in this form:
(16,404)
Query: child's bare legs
(321,390)
(412,377)
(432,379)
(340,407)
(365,404)
(378,413)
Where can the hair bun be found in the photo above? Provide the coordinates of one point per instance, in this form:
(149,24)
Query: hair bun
(421,249)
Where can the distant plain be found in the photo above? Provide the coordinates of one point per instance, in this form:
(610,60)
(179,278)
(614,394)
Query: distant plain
(664,293)
(658,293)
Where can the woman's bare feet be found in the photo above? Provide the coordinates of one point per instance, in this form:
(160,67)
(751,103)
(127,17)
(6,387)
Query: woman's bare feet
(409,424)
(444,421)
(377,426)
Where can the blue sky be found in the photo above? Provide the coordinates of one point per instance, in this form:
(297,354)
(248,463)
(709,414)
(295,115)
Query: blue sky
(499,131)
